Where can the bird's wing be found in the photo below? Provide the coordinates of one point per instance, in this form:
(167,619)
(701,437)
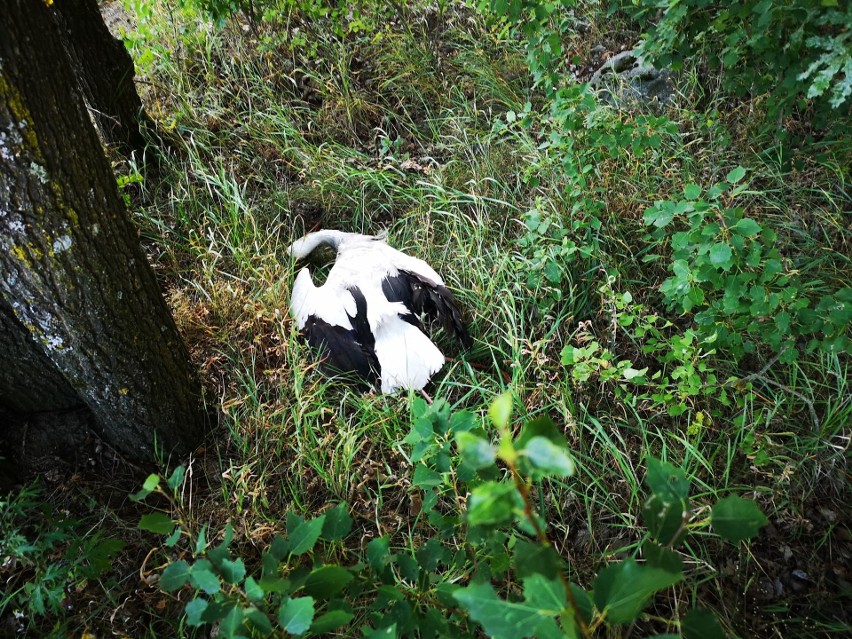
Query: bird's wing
(340,350)
(425,296)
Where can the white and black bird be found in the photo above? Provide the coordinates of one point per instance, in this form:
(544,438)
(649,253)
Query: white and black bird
(365,318)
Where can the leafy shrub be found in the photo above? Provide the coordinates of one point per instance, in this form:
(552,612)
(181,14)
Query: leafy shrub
(444,578)
(43,556)
(727,271)
(788,49)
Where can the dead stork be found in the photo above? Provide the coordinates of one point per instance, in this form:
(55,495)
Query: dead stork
(365,319)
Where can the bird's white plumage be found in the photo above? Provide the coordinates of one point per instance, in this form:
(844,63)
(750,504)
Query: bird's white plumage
(407,357)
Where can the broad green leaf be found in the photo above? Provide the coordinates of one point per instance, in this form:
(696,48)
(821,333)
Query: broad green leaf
(259,621)
(493,503)
(232,622)
(383,633)
(463,421)
(665,519)
(541,427)
(337,524)
(296,615)
(424,477)
(174,576)
(149,486)
(327,581)
(253,589)
(430,554)
(736,519)
(233,571)
(532,557)
(172,539)
(658,556)
(331,621)
(548,457)
(157,523)
(720,255)
(545,594)
(506,619)
(660,215)
(736,175)
(476,451)
(666,480)
(622,590)
(194,609)
(176,478)
(701,624)
(500,411)
(378,551)
(305,535)
(692,192)
(203,577)
(746,227)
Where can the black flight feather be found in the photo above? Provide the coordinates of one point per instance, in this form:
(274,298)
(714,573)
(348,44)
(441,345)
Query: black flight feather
(344,350)
(423,296)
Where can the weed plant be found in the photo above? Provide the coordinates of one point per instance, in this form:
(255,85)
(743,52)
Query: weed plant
(663,293)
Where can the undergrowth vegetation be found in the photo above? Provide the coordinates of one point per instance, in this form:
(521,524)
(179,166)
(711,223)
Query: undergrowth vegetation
(650,435)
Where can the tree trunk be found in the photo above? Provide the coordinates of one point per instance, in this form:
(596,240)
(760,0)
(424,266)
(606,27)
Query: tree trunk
(20,359)
(71,269)
(104,71)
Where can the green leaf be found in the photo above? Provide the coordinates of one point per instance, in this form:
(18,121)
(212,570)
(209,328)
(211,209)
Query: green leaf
(203,577)
(666,480)
(692,192)
(701,624)
(746,227)
(500,411)
(253,589)
(476,451)
(658,556)
(259,621)
(540,427)
(174,576)
(157,523)
(425,477)
(150,485)
(194,609)
(337,524)
(720,255)
(736,175)
(505,619)
(383,633)
(548,457)
(232,622)
(201,541)
(736,519)
(331,621)
(378,551)
(493,503)
(622,590)
(305,535)
(172,539)
(176,478)
(327,581)
(532,557)
(665,519)
(233,571)
(545,594)
(296,615)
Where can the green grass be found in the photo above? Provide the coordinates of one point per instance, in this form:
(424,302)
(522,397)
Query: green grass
(269,141)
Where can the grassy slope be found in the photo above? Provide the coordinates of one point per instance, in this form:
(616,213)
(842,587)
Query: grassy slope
(392,128)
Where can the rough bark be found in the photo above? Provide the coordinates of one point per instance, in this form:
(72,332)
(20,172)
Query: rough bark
(71,269)
(104,71)
(20,359)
